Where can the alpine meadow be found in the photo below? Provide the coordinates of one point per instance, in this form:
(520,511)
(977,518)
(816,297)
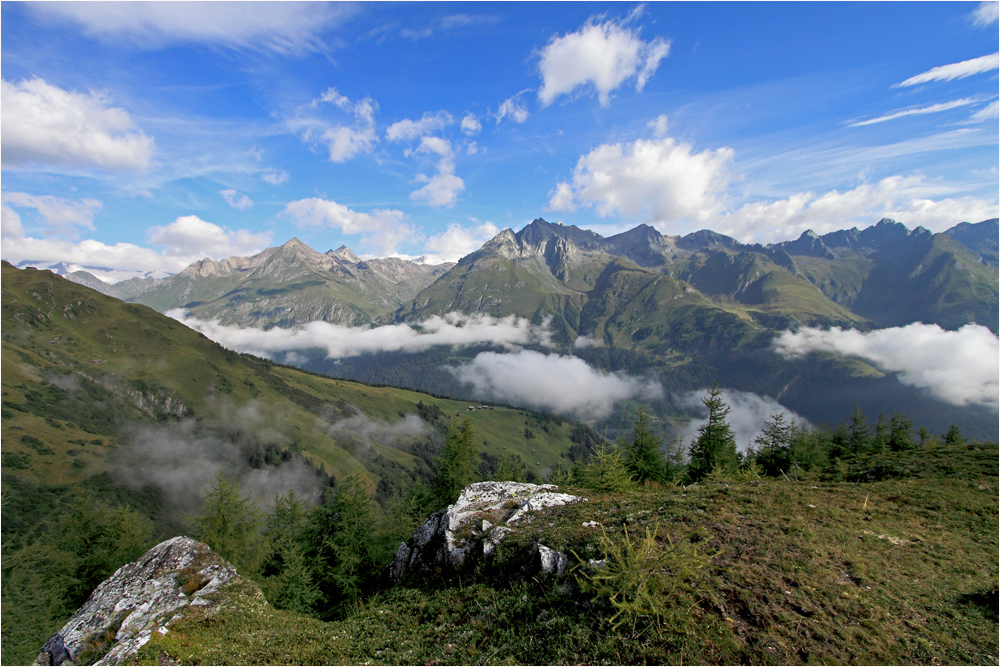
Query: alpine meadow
(499,333)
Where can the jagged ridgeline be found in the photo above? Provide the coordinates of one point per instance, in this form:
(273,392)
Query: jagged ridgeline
(288,285)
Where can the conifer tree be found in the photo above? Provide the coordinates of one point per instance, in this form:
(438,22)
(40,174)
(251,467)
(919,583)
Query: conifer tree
(900,432)
(287,580)
(953,436)
(456,466)
(231,526)
(859,433)
(715,446)
(644,458)
(772,448)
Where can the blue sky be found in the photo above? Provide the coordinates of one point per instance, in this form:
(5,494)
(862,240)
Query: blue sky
(143,136)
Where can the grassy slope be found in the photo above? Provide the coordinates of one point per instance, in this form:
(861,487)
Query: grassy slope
(54,329)
(758,284)
(940,281)
(806,572)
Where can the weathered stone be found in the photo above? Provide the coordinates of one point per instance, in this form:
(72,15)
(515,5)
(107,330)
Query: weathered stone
(551,560)
(481,517)
(139,599)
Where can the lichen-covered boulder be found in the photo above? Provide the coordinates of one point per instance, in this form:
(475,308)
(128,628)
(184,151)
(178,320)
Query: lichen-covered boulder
(478,521)
(139,599)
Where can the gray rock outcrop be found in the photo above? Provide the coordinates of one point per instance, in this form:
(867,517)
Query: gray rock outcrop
(475,525)
(139,599)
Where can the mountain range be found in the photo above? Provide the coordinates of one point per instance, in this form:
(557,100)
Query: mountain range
(885,275)
(688,310)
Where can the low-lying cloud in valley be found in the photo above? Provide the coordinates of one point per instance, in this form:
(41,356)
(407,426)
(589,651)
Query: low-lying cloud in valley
(959,367)
(562,384)
(339,341)
(747,414)
(183,460)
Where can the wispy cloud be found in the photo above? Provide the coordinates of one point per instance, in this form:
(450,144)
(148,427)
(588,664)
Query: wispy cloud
(58,215)
(986,14)
(934,108)
(282,27)
(954,71)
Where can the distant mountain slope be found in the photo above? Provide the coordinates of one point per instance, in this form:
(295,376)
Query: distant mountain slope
(982,237)
(287,285)
(555,270)
(893,276)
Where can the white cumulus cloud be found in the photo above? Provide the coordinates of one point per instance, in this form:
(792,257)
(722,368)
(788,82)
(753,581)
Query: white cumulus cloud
(441,190)
(185,240)
(954,70)
(562,384)
(10,223)
(408,130)
(343,142)
(275,177)
(959,367)
(457,241)
(46,126)
(383,228)
(910,199)
(242,202)
(747,414)
(338,342)
(471,125)
(661,180)
(191,237)
(603,55)
(58,215)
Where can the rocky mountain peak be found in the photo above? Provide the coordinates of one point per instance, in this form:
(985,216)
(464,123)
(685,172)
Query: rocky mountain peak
(809,244)
(539,231)
(707,239)
(344,254)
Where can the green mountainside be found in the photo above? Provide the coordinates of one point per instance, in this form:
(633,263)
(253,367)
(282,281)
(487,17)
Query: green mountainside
(881,276)
(81,370)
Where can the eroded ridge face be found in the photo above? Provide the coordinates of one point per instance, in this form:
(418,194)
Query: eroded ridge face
(139,599)
(483,514)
